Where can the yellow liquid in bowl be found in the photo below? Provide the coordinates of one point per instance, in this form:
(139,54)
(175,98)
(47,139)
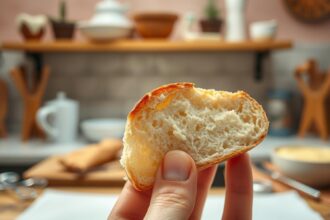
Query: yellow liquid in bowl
(307,154)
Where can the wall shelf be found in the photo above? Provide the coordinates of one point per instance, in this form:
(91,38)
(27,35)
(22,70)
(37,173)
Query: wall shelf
(145,46)
(34,50)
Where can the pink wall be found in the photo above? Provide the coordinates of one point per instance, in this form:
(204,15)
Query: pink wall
(289,28)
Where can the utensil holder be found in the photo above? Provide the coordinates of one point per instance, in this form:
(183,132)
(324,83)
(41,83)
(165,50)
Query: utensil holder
(32,100)
(315,91)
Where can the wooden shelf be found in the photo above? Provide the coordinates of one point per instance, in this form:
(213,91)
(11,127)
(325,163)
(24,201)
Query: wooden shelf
(145,46)
(34,50)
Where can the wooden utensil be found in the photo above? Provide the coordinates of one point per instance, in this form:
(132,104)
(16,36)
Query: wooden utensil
(32,100)
(315,92)
(110,174)
(3,107)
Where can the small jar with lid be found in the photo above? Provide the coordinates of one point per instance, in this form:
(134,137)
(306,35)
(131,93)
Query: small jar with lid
(279,112)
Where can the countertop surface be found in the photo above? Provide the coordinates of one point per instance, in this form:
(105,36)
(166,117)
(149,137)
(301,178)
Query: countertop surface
(12,207)
(15,152)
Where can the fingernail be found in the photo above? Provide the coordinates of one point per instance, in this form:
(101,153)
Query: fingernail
(177,166)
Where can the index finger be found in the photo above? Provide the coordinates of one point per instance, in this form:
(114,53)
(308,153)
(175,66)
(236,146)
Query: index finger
(204,182)
(131,204)
(239,191)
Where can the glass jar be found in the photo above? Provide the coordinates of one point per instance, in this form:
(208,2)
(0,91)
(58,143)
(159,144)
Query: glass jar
(279,112)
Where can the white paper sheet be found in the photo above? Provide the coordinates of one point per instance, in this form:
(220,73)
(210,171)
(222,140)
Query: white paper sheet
(55,205)
(279,206)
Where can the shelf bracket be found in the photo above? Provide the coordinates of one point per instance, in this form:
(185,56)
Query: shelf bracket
(258,68)
(2,59)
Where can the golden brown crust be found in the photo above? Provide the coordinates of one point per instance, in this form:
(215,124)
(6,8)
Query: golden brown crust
(156,92)
(200,166)
(135,183)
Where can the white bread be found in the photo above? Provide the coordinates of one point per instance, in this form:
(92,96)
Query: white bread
(211,126)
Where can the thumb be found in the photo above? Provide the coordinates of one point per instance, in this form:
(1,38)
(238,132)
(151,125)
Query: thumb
(174,192)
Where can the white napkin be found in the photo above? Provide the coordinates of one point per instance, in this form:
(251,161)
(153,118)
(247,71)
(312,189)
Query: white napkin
(54,205)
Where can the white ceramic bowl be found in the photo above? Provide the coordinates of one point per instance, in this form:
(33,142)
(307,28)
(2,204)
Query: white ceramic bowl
(103,32)
(309,165)
(99,129)
(263,30)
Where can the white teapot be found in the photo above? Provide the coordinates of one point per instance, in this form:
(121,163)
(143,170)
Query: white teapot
(64,113)
(110,12)
(109,22)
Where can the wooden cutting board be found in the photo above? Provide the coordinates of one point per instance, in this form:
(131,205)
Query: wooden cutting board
(110,174)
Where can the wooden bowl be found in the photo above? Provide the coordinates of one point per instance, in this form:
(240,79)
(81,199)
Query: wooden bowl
(155,25)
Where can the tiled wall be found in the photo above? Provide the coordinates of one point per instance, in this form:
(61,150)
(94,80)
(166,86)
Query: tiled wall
(108,85)
(286,61)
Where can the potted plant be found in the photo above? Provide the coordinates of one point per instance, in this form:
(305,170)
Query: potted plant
(32,27)
(62,28)
(212,22)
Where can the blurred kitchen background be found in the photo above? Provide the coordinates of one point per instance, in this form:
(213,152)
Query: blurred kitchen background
(70,71)
(119,50)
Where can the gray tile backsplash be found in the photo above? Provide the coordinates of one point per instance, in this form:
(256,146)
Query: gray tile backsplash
(109,84)
(284,62)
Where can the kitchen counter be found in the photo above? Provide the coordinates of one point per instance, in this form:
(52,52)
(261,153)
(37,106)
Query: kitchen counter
(12,208)
(15,152)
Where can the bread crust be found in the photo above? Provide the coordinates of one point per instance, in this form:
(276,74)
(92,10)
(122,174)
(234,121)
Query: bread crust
(205,164)
(156,92)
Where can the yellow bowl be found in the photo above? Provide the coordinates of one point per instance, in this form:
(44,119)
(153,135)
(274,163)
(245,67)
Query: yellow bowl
(307,164)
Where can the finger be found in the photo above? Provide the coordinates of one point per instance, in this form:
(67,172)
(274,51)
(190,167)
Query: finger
(131,204)
(239,194)
(204,182)
(174,192)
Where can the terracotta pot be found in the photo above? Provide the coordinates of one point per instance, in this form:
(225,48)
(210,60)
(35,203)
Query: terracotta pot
(213,26)
(62,30)
(28,35)
(155,25)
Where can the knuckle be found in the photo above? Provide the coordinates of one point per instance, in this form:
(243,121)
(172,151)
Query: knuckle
(174,198)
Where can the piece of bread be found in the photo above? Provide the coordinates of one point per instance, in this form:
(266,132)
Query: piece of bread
(211,126)
(89,157)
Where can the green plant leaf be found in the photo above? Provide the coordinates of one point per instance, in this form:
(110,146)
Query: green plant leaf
(62,11)
(211,11)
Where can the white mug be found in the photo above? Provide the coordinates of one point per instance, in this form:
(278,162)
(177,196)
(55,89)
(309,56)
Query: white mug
(64,125)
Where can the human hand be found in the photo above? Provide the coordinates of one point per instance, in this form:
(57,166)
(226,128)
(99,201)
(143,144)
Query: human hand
(180,191)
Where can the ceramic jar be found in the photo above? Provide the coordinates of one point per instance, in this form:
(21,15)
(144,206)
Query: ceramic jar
(235,20)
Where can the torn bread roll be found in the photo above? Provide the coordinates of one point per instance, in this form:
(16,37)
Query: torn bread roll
(211,126)
(92,156)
